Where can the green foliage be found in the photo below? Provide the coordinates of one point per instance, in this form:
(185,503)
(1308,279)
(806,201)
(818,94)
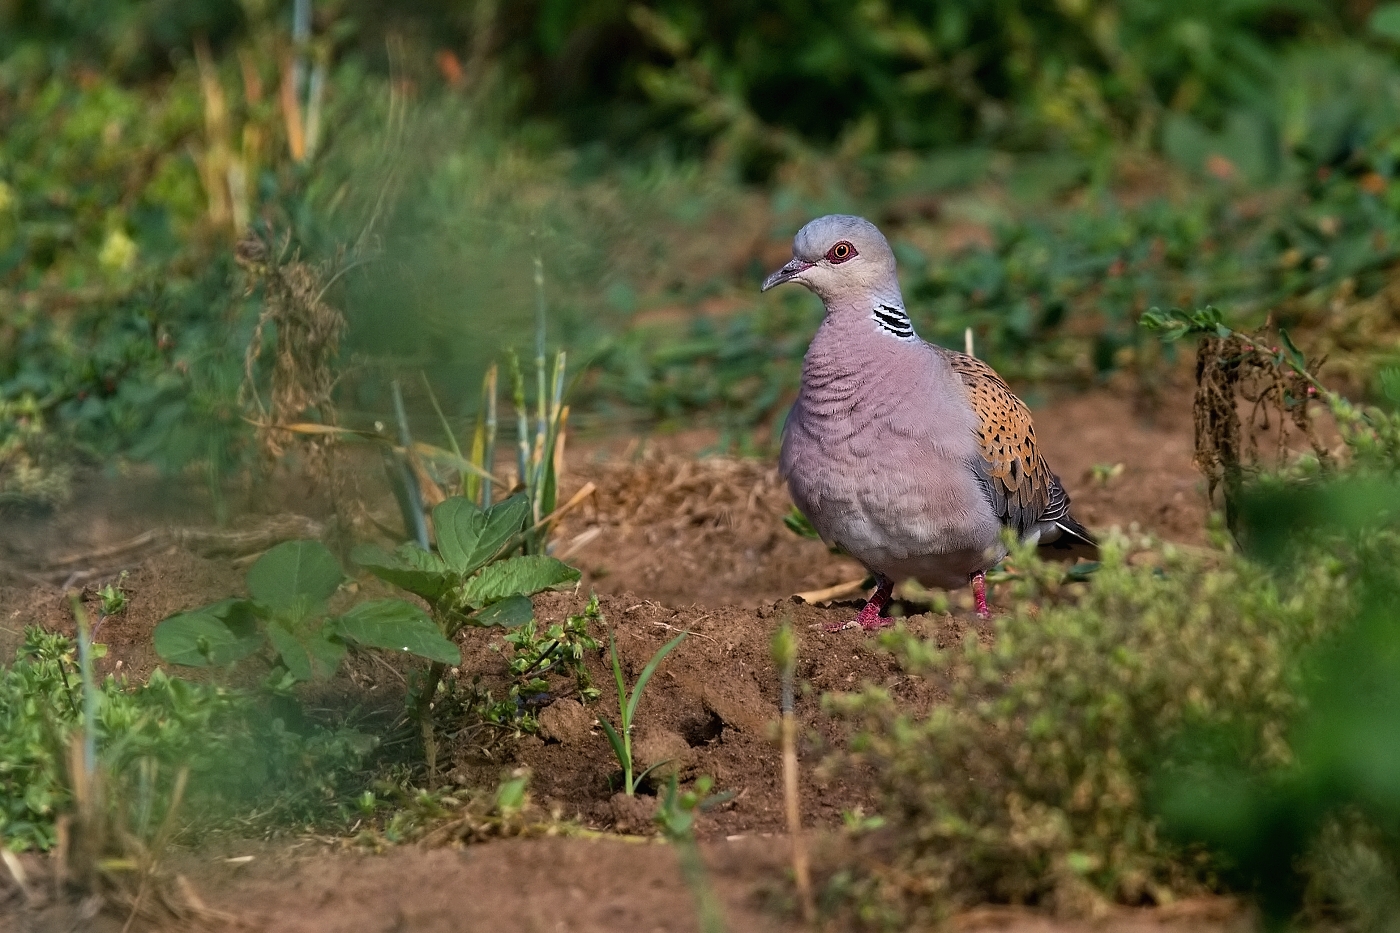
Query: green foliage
(557,651)
(242,754)
(287,618)
(471,581)
(676,819)
(621,738)
(1287,831)
(32,470)
(1032,782)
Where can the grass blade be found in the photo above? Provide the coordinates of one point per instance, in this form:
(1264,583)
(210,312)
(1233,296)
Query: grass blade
(615,741)
(647,671)
(621,686)
(488,454)
(446,428)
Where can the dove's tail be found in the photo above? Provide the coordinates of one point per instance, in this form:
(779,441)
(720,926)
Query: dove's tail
(1072,543)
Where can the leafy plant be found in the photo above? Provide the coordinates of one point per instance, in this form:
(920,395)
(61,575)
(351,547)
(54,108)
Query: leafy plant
(286,617)
(470,581)
(621,738)
(558,650)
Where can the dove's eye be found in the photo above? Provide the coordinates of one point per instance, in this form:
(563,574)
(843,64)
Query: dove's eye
(841,252)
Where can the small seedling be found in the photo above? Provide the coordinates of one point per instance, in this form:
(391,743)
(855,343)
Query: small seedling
(676,818)
(286,618)
(1104,473)
(627,709)
(113,597)
(559,650)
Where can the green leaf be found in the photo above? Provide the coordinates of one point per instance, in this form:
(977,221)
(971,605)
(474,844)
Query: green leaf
(615,741)
(1385,21)
(647,671)
(292,572)
(312,656)
(521,576)
(511,612)
(1295,356)
(410,568)
(468,538)
(395,625)
(218,634)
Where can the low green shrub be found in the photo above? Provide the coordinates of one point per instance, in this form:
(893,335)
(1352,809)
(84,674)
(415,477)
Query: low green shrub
(243,756)
(1032,782)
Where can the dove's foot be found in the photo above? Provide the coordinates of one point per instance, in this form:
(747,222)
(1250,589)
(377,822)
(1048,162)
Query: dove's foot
(869,617)
(979,594)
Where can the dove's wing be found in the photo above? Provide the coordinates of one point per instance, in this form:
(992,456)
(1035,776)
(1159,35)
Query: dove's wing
(1023,491)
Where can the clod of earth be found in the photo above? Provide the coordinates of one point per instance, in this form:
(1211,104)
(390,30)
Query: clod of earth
(565,721)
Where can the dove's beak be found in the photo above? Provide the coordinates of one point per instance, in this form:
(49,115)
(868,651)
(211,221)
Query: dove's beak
(787,273)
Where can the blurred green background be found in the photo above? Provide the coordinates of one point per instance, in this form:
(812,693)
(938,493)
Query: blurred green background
(1046,170)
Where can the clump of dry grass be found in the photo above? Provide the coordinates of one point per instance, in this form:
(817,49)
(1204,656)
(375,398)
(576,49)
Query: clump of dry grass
(306,347)
(713,496)
(1237,373)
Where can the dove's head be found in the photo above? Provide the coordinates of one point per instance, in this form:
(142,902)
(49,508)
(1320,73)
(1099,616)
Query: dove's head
(839,257)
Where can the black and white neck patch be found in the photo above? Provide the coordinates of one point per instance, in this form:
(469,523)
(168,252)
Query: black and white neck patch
(894,320)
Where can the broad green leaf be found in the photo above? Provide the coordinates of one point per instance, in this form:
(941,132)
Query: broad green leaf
(1385,21)
(518,576)
(511,612)
(395,625)
(219,634)
(468,538)
(457,525)
(410,568)
(292,572)
(314,655)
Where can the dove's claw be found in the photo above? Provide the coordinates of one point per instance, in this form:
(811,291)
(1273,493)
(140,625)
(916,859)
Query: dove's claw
(869,618)
(979,593)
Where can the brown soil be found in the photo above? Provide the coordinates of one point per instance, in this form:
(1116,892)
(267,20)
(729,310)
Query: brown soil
(671,544)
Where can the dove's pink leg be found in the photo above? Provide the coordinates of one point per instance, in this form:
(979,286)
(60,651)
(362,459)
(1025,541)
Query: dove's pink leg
(869,616)
(979,593)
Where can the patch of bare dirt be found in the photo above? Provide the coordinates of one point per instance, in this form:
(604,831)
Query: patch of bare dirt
(547,885)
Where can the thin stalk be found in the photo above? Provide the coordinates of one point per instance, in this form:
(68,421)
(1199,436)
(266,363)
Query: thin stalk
(89,687)
(785,655)
(522,422)
(542,419)
(423,712)
(419,525)
(447,430)
(301,35)
(488,455)
(693,872)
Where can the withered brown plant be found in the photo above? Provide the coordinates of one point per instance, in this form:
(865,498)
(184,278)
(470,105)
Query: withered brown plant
(305,349)
(1246,373)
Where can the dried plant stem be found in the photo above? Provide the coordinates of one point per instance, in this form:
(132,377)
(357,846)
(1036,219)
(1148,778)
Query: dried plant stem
(785,654)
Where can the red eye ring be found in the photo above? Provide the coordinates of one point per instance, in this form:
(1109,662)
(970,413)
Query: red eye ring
(841,252)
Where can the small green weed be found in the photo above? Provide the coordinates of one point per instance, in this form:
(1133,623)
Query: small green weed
(621,738)
(676,819)
(558,650)
(1031,783)
(245,764)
